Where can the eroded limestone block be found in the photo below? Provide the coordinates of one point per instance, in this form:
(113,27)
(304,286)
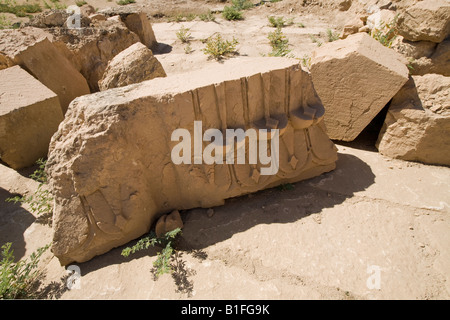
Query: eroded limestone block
(111,168)
(427,20)
(417,125)
(139,24)
(355,78)
(90,49)
(31,49)
(29,115)
(133,65)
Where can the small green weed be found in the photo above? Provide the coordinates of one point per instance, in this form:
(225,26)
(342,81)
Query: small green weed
(386,33)
(218,48)
(209,16)
(183,34)
(231,13)
(16,279)
(125,2)
(20,10)
(332,36)
(162,264)
(279,22)
(279,43)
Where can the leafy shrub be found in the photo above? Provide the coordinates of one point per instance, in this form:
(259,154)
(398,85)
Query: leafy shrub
(241,4)
(162,263)
(20,10)
(231,13)
(279,43)
(218,48)
(332,36)
(125,2)
(386,33)
(16,279)
(183,34)
(207,16)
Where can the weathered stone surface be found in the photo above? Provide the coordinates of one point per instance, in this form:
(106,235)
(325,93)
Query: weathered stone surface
(414,49)
(355,78)
(31,49)
(139,24)
(438,62)
(133,65)
(90,49)
(168,222)
(380,19)
(110,166)
(29,115)
(417,125)
(428,20)
(352,27)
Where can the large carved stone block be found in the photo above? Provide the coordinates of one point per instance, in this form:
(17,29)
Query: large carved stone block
(110,165)
(29,115)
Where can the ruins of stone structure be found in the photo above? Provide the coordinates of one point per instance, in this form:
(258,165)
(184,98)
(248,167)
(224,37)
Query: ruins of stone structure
(417,125)
(32,49)
(28,117)
(133,65)
(110,166)
(355,78)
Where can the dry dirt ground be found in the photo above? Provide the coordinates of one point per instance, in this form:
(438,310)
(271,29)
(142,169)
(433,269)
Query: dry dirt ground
(374,228)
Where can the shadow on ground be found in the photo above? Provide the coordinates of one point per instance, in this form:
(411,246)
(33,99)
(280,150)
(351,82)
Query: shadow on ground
(14,221)
(276,205)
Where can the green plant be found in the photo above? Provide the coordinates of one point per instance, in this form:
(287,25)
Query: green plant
(306,61)
(80,3)
(209,16)
(279,43)
(125,2)
(183,34)
(231,13)
(20,10)
(300,25)
(332,36)
(241,4)
(4,22)
(218,48)
(16,279)
(162,263)
(315,40)
(386,33)
(41,202)
(276,22)
(188,49)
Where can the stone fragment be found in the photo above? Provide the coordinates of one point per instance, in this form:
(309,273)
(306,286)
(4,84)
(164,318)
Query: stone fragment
(90,49)
(344,5)
(438,62)
(110,167)
(139,24)
(29,115)
(352,27)
(168,222)
(355,78)
(427,20)
(31,49)
(133,65)
(417,125)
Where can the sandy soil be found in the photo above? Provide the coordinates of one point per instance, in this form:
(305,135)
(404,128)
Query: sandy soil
(374,228)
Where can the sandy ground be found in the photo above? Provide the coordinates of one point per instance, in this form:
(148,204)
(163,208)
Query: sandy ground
(374,228)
